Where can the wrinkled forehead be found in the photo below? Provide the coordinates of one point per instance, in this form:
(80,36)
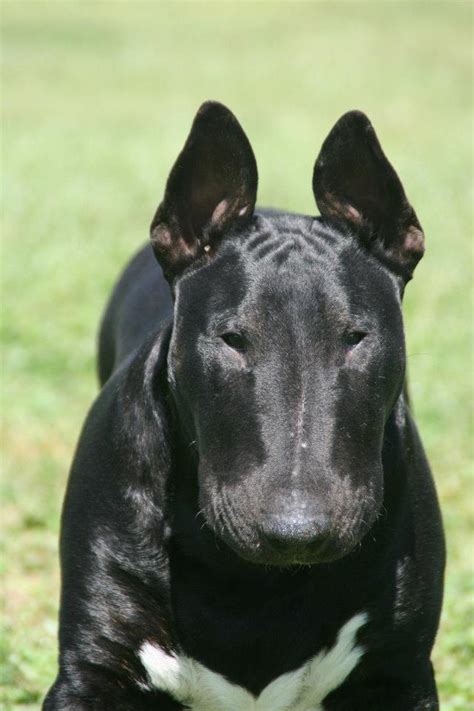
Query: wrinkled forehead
(290,265)
(294,266)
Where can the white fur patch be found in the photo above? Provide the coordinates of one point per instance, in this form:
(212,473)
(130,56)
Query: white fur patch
(304,689)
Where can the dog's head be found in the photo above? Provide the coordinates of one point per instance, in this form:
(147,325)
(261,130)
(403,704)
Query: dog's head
(287,353)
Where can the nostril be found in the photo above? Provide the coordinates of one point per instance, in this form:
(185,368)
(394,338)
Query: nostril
(282,532)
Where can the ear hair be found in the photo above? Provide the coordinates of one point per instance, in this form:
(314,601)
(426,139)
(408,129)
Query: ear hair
(212,186)
(354,182)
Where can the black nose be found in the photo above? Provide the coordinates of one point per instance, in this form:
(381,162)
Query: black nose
(294,533)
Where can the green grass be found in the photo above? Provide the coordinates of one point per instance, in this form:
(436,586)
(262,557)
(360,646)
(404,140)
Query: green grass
(97,101)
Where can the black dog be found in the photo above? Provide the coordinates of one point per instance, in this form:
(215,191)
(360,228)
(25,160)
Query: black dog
(250,522)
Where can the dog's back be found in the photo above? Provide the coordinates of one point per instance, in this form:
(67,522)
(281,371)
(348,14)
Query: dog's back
(139,305)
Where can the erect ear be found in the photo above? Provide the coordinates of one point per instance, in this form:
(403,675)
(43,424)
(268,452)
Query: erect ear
(354,182)
(212,186)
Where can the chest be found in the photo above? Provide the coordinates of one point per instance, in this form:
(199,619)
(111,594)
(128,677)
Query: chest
(302,689)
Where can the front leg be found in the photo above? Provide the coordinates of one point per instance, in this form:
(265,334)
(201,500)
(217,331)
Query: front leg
(387,694)
(77,693)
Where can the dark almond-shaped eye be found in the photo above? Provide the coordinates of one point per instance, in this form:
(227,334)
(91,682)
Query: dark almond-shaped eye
(235,340)
(352,338)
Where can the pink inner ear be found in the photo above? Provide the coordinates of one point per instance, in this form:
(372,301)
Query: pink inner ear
(414,240)
(162,235)
(352,214)
(342,209)
(219,211)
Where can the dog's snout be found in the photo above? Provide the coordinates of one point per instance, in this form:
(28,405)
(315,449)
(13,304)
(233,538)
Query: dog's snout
(294,532)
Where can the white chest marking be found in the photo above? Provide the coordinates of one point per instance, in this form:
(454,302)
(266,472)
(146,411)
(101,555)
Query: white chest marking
(304,689)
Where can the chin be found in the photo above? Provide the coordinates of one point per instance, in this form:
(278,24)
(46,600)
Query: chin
(264,556)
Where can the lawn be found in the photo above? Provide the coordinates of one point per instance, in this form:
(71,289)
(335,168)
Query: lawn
(97,100)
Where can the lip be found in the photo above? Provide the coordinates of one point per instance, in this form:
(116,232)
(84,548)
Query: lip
(264,556)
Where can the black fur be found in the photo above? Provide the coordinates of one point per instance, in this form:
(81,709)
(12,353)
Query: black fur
(250,476)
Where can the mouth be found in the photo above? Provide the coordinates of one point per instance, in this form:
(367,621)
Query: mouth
(304,536)
(261,553)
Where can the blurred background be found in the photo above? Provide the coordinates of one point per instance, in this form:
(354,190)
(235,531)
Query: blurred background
(97,101)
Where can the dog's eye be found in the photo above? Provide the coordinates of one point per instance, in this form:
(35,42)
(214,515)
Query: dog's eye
(352,338)
(235,340)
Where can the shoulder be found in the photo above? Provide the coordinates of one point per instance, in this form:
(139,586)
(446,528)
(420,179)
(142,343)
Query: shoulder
(124,444)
